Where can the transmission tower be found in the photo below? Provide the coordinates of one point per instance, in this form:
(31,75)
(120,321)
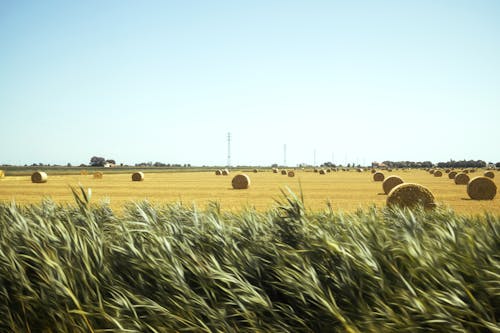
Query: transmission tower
(228,149)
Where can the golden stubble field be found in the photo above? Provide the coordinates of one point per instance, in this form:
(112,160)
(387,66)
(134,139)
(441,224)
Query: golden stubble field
(346,191)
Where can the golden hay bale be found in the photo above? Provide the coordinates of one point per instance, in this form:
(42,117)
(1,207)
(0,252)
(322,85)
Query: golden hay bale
(391,182)
(489,174)
(472,170)
(98,175)
(373,171)
(462,179)
(322,172)
(315,170)
(410,195)
(291,173)
(39,177)
(378,177)
(218,172)
(284,172)
(438,173)
(255,170)
(328,170)
(84,172)
(431,171)
(359,169)
(138,176)
(465,171)
(225,172)
(481,188)
(447,170)
(452,174)
(241,182)
(275,170)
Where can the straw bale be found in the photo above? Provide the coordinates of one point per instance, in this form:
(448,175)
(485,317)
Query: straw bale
(391,182)
(462,179)
(138,176)
(481,188)
(98,175)
(291,173)
(410,195)
(39,177)
(489,174)
(452,174)
(322,172)
(225,172)
(84,172)
(218,172)
(378,177)
(438,173)
(241,182)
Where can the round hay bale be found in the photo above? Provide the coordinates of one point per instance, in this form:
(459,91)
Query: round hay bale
(391,182)
(489,174)
(389,170)
(452,174)
(373,170)
(359,169)
(218,172)
(438,173)
(84,172)
(39,177)
(240,182)
(315,170)
(322,172)
(465,171)
(328,170)
(431,171)
(138,176)
(275,170)
(378,177)
(410,195)
(291,173)
(284,172)
(447,171)
(225,172)
(98,175)
(255,170)
(472,170)
(481,188)
(462,179)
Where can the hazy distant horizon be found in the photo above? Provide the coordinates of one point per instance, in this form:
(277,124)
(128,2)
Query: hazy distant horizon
(165,81)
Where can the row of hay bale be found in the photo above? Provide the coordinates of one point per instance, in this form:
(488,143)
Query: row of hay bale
(222,172)
(40,177)
(404,194)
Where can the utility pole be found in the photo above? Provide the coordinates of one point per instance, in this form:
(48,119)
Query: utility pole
(284,154)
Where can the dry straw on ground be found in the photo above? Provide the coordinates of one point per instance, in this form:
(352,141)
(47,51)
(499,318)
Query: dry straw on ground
(438,173)
(291,173)
(240,182)
(138,176)
(410,195)
(39,177)
(489,174)
(98,175)
(462,179)
(391,182)
(481,188)
(378,177)
(452,174)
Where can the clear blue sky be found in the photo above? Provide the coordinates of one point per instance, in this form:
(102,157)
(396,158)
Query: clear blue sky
(356,81)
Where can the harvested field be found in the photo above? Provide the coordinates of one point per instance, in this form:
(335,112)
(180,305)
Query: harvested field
(345,191)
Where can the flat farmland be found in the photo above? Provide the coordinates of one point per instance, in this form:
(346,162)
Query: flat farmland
(344,190)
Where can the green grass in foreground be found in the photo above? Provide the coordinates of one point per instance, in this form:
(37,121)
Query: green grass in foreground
(176,269)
